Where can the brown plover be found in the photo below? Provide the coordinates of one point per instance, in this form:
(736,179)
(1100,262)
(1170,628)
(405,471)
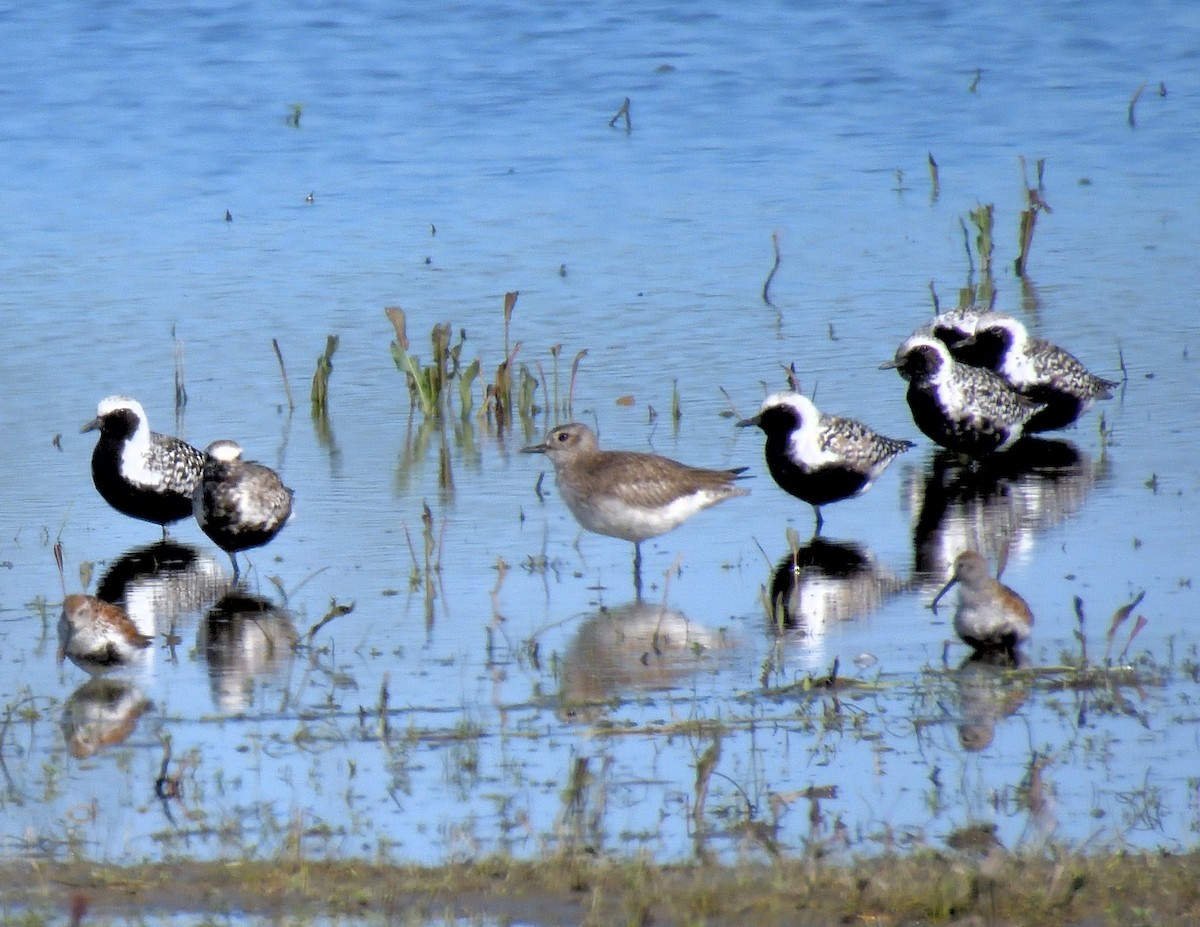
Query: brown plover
(139,472)
(629,495)
(97,636)
(820,458)
(963,408)
(990,617)
(239,503)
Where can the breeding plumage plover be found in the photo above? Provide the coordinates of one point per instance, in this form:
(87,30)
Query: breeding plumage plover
(629,495)
(990,617)
(97,636)
(820,458)
(955,328)
(1038,369)
(139,472)
(963,408)
(239,503)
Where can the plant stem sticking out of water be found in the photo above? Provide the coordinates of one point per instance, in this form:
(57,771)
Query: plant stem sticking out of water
(1034,204)
(287,387)
(935,187)
(1137,95)
(623,111)
(766,290)
(336,610)
(320,381)
(181,396)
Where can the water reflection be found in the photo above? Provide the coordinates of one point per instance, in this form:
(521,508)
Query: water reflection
(246,639)
(825,582)
(160,583)
(101,713)
(640,646)
(988,692)
(994,506)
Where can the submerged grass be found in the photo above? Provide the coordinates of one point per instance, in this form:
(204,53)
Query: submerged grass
(926,887)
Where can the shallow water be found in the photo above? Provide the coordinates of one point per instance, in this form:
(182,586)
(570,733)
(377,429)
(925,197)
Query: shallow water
(530,703)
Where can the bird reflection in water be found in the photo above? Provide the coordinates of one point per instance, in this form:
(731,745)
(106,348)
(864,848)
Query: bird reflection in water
(246,639)
(637,647)
(988,692)
(994,506)
(101,713)
(160,584)
(825,582)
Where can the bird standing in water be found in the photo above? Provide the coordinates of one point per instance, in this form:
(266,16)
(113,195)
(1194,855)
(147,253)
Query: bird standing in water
(990,618)
(239,503)
(626,494)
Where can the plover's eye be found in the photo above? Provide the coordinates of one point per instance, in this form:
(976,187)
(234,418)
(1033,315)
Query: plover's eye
(563,436)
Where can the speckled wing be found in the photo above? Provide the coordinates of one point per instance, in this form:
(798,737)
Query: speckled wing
(1061,369)
(254,500)
(991,398)
(650,481)
(856,444)
(180,464)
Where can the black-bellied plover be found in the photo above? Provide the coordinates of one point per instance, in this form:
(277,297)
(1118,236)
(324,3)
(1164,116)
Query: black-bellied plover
(1038,369)
(990,617)
(820,458)
(626,494)
(239,503)
(963,408)
(97,636)
(139,472)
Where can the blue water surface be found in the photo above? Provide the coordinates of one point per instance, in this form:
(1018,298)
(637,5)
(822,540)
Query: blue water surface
(158,163)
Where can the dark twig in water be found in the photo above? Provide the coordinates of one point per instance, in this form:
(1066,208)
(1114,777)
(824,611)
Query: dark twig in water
(623,111)
(766,290)
(967,247)
(974,88)
(181,396)
(1133,103)
(336,610)
(287,387)
(933,178)
(574,375)
(1034,204)
(793,377)
(733,412)
(937,307)
(320,382)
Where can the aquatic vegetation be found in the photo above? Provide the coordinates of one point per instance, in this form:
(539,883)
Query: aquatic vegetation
(319,394)
(1035,203)
(623,112)
(766,288)
(287,387)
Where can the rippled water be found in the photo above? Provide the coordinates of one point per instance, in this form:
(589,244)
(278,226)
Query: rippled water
(530,702)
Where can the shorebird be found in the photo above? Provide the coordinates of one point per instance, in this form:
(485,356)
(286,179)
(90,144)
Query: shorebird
(955,328)
(239,503)
(139,472)
(97,636)
(963,408)
(629,495)
(990,617)
(1038,369)
(820,458)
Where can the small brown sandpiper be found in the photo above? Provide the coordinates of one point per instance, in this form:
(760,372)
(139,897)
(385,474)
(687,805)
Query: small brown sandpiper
(990,617)
(98,636)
